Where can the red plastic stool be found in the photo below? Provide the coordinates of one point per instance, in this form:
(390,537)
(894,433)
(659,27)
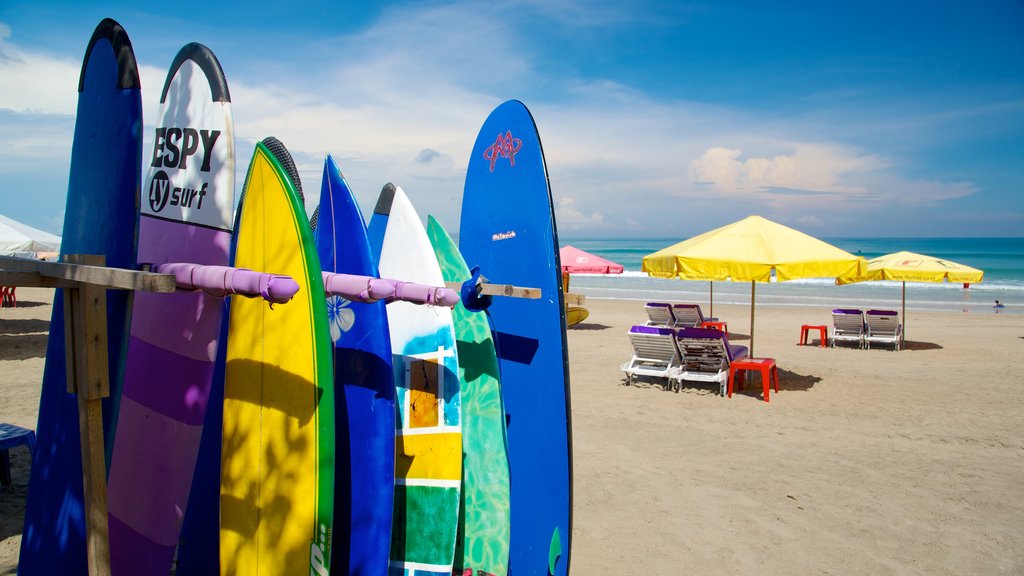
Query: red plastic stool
(720,326)
(823,330)
(766,366)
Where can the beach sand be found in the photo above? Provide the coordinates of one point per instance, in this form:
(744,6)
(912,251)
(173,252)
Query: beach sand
(867,462)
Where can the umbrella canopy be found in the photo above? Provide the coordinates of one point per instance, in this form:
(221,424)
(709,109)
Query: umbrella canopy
(576,261)
(18,238)
(750,250)
(911,267)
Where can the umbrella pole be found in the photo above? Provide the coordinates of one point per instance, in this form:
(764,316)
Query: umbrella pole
(752,285)
(711,284)
(903,333)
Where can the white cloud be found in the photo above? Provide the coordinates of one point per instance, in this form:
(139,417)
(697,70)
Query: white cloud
(569,215)
(810,167)
(36,83)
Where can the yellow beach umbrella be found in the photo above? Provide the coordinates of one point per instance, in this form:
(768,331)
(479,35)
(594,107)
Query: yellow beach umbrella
(750,250)
(911,267)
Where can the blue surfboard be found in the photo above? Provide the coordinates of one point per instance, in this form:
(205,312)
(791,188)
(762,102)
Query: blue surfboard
(364,389)
(508,230)
(99,218)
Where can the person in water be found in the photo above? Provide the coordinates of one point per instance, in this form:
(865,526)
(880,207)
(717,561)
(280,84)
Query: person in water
(998,305)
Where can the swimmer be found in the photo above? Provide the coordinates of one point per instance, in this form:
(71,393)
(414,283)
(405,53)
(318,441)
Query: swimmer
(998,305)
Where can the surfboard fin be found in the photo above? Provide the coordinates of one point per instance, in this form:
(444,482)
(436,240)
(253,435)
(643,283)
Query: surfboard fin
(554,551)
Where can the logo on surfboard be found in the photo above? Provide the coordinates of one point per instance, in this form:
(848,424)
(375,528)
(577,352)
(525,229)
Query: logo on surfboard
(504,147)
(186,173)
(160,191)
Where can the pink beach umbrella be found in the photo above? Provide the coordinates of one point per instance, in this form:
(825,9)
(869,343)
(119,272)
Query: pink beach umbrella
(576,261)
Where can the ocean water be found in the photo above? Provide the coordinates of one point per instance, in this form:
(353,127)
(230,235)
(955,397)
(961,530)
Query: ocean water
(1002,260)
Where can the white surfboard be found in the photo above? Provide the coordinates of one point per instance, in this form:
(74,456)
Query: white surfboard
(428,441)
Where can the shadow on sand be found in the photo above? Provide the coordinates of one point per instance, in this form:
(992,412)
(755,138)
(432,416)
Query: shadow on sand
(916,346)
(588,326)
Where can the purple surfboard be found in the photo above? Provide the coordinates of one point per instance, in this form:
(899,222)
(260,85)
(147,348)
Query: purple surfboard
(186,207)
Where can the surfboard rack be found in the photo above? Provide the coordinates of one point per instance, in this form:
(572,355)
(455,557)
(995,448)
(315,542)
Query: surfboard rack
(85,282)
(485,288)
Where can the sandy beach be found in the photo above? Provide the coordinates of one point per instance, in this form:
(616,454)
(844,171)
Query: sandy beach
(867,462)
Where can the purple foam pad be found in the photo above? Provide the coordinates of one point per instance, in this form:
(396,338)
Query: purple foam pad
(736,352)
(638,329)
(882,313)
(709,333)
(846,311)
(226,280)
(368,289)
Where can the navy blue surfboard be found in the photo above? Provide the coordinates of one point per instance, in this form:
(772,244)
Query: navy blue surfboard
(364,389)
(508,230)
(99,218)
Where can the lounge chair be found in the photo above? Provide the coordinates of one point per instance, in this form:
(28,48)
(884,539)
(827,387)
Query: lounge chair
(705,356)
(654,353)
(848,326)
(659,314)
(689,316)
(883,328)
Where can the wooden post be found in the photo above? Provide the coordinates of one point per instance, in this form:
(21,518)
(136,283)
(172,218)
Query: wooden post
(711,288)
(752,291)
(89,377)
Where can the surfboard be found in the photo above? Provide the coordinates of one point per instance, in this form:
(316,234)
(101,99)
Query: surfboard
(277,462)
(575,314)
(428,426)
(99,218)
(483,542)
(364,389)
(186,211)
(508,229)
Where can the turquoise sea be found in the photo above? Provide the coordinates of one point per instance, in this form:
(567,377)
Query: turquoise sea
(1002,260)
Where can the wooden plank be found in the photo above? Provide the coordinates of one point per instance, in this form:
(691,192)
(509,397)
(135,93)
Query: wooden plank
(74,332)
(489,289)
(86,321)
(94,484)
(33,279)
(113,278)
(575,299)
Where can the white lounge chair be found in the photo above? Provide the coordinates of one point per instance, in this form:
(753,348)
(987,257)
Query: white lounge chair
(884,327)
(659,314)
(705,356)
(847,326)
(654,353)
(689,316)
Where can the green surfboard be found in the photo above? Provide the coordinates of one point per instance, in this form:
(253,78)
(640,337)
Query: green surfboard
(484,529)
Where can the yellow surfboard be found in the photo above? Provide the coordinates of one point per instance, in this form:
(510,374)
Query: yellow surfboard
(575,314)
(277,461)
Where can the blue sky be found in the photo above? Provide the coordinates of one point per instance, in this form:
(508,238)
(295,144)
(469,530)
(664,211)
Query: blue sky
(659,119)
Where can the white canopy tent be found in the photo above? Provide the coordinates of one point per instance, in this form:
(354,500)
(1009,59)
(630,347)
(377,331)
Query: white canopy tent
(17,239)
